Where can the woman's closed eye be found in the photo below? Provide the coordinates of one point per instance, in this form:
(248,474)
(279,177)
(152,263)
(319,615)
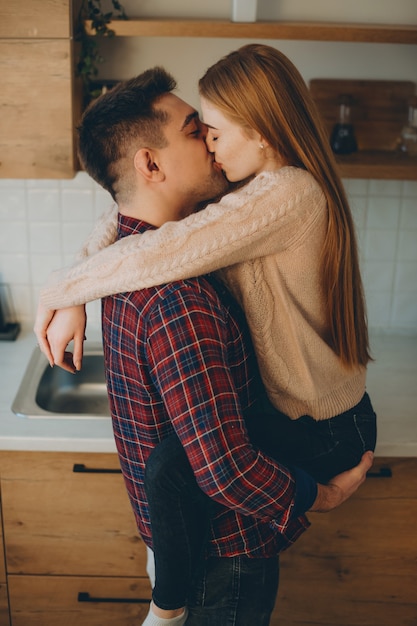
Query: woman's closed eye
(212,136)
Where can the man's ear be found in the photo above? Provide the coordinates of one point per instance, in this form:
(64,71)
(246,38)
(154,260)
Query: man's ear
(146,163)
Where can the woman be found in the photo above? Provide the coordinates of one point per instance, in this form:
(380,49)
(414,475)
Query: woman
(287,246)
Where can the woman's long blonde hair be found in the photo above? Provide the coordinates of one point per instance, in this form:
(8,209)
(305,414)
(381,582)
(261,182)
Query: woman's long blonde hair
(259,88)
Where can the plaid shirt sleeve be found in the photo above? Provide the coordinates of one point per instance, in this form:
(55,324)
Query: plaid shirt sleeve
(188,351)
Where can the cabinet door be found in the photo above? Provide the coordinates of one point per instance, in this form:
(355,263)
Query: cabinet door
(54,601)
(40,100)
(37,18)
(357,566)
(37,105)
(61,521)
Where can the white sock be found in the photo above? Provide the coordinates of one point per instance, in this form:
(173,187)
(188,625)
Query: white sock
(154,620)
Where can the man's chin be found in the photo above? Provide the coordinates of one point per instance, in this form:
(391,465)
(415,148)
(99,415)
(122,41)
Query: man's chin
(218,193)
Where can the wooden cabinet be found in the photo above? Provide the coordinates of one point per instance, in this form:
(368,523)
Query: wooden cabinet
(357,566)
(39,99)
(54,601)
(73,554)
(4,601)
(71,542)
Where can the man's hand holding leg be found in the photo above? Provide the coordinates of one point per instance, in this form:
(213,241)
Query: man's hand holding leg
(342,486)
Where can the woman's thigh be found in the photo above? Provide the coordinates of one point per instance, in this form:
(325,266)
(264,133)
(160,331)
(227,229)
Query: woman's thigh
(323,448)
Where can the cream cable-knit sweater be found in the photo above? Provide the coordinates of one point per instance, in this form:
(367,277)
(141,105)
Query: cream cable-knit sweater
(269,236)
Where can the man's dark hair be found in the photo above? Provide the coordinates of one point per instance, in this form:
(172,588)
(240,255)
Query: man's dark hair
(120,121)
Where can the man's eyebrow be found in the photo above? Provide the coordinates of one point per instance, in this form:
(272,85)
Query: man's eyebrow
(192,116)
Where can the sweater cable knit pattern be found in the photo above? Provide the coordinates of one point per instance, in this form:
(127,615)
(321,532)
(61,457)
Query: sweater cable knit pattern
(268,237)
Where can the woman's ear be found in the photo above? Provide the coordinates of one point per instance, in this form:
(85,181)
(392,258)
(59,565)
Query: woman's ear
(262,142)
(146,164)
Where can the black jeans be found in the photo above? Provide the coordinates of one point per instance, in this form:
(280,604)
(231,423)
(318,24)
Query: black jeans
(180,518)
(180,512)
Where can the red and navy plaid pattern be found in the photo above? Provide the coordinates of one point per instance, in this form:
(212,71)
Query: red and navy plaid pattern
(179,359)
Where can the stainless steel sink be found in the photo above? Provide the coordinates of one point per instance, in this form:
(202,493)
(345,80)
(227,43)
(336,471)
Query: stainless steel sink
(52,392)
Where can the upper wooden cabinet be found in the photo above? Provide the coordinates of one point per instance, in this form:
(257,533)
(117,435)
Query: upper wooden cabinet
(37,18)
(38,98)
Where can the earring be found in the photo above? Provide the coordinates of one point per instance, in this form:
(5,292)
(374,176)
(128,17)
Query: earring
(261,145)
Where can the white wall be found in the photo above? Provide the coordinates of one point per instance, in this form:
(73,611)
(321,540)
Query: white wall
(188,58)
(371,11)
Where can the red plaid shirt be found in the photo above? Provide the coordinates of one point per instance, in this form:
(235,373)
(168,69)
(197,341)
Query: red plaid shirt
(179,358)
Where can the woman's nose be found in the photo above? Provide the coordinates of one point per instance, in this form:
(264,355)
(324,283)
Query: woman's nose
(209,142)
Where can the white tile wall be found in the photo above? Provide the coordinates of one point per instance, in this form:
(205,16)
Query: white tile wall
(386,219)
(42,224)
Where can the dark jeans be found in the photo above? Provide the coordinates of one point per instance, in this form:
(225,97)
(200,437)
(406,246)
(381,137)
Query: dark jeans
(322,448)
(180,512)
(236,591)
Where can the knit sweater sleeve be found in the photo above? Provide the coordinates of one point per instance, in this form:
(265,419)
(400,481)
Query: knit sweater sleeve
(103,234)
(236,229)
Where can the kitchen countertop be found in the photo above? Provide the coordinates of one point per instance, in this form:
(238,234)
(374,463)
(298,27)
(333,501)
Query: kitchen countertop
(392,384)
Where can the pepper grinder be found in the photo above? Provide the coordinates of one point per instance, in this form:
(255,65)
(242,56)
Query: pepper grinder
(408,140)
(343,139)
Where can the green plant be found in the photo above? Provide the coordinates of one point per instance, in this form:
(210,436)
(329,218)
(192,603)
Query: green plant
(89,45)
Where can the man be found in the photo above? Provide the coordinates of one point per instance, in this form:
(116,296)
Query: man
(179,361)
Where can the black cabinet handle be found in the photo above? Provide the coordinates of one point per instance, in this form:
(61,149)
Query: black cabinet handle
(80,468)
(84,596)
(384,472)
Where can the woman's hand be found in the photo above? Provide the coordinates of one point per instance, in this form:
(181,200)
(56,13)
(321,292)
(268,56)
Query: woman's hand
(43,319)
(54,331)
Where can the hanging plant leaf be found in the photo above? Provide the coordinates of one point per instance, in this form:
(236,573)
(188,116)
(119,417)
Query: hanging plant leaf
(89,55)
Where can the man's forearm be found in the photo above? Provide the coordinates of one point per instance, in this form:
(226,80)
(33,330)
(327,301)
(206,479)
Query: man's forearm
(328,498)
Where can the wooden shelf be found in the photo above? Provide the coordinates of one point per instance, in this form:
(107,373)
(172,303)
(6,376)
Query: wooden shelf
(378,113)
(378,165)
(312,31)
